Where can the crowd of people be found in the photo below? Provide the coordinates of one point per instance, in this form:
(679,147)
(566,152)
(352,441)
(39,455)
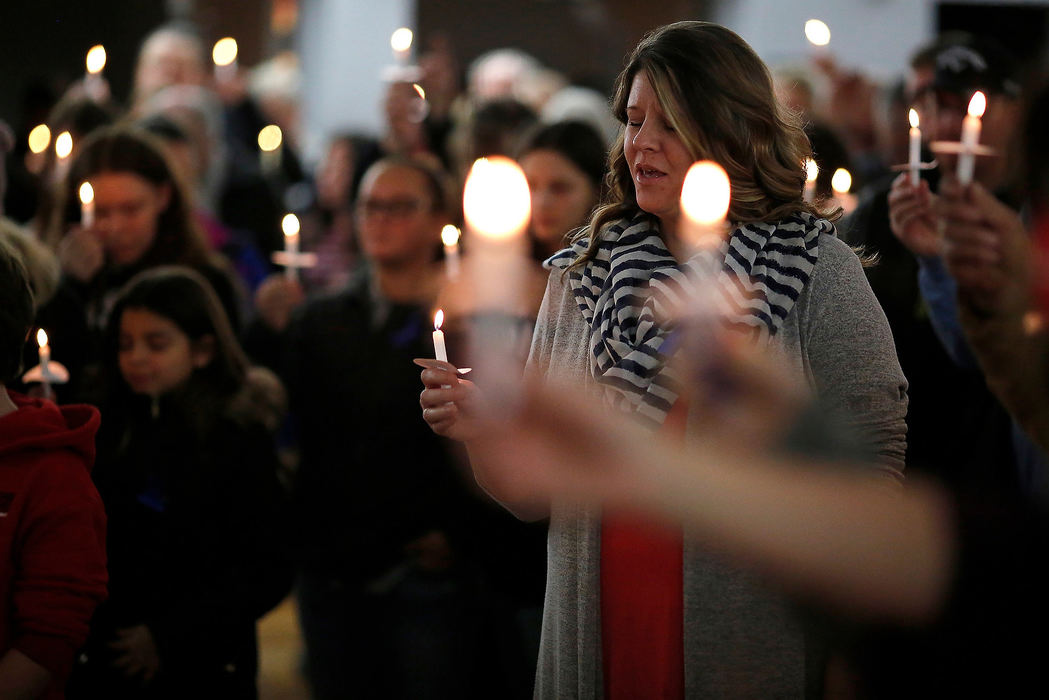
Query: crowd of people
(834,486)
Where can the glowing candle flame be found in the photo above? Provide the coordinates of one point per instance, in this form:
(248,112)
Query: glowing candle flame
(96,59)
(841,182)
(87,193)
(41,338)
(977,105)
(438,319)
(812,170)
(913,117)
(64,144)
(290,225)
(401,40)
(39,138)
(419,89)
(270,138)
(224,52)
(817,32)
(449,235)
(706,193)
(496,199)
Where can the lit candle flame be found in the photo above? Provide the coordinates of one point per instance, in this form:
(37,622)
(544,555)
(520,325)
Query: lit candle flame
(290,225)
(41,338)
(842,181)
(96,59)
(913,116)
(270,138)
(39,138)
(419,89)
(224,52)
(706,193)
(496,199)
(401,40)
(450,235)
(64,144)
(438,319)
(817,32)
(87,193)
(977,104)
(812,170)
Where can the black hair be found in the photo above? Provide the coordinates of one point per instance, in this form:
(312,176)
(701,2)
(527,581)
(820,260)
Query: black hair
(576,141)
(16,312)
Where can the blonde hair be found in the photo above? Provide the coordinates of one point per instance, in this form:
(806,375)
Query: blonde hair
(719,97)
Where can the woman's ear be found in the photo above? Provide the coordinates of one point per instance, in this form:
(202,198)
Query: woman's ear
(203,351)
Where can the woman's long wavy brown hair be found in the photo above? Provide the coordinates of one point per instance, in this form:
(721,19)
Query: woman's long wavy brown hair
(718,95)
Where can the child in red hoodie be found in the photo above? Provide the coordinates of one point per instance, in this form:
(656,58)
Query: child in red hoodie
(52,524)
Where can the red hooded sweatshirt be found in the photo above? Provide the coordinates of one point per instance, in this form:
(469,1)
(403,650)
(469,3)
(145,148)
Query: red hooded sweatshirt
(52,533)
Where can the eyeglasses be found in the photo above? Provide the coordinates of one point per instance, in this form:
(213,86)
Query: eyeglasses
(397,208)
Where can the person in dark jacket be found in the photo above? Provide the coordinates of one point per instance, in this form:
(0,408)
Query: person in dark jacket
(189,475)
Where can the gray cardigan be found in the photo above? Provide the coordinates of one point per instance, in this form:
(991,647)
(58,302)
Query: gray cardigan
(741,639)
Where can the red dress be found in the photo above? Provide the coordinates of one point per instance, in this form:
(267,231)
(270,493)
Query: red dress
(642,614)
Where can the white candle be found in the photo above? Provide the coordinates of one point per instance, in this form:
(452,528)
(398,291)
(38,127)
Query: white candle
(45,351)
(439,350)
(87,205)
(915,152)
(705,197)
(812,171)
(401,43)
(290,226)
(450,238)
(96,61)
(224,54)
(970,137)
(270,140)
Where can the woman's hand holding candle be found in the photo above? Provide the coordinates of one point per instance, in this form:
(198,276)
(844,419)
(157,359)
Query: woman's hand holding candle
(450,403)
(912,217)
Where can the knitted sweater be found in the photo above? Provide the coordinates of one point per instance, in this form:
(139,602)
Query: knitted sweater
(741,640)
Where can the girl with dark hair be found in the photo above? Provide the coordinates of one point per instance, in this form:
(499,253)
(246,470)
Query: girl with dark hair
(564,164)
(634,609)
(189,476)
(143,218)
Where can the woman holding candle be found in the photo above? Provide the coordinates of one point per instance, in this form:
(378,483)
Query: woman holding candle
(198,519)
(142,219)
(633,609)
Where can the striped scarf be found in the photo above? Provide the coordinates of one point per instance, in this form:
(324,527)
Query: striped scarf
(632,288)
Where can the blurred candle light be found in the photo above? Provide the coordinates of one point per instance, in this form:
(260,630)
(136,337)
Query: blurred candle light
(270,140)
(971,137)
(812,171)
(401,43)
(705,197)
(496,199)
(450,238)
(224,55)
(439,350)
(96,59)
(64,145)
(94,84)
(841,182)
(87,205)
(817,32)
(914,158)
(290,226)
(39,138)
(45,350)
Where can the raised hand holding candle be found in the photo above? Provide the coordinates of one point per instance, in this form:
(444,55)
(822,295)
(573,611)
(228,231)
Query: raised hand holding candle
(970,137)
(87,205)
(290,226)
(450,239)
(705,197)
(439,350)
(812,171)
(914,159)
(224,55)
